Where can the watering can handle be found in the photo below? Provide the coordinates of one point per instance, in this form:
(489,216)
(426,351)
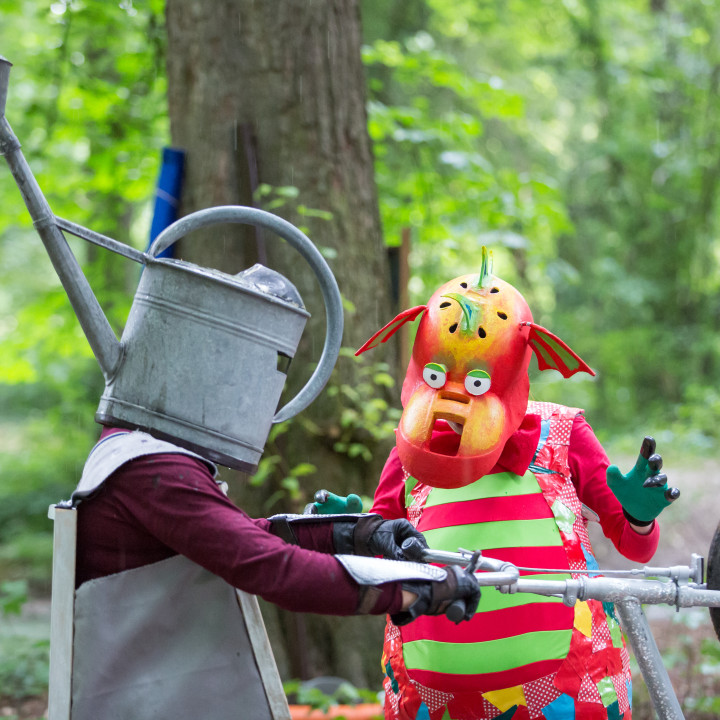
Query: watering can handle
(300,241)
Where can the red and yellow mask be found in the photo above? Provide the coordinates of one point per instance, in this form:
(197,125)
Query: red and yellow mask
(469,366)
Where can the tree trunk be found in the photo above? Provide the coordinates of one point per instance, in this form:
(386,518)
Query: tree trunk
(274,93)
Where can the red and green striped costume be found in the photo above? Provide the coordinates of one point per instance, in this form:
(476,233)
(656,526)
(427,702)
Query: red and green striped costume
(522,655)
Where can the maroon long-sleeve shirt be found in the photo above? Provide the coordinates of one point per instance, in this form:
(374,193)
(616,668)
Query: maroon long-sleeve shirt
(158,506)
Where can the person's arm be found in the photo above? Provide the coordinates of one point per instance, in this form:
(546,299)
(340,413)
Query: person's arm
(389,500)
(176,500)
(588,465)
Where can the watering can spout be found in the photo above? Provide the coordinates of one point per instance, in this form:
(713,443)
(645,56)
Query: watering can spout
(100,335)
(5,66)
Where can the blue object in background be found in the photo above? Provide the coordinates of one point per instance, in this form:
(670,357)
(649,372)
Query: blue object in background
(167,198)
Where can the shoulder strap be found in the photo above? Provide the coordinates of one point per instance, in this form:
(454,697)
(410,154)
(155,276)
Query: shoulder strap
(555,428)
(547,410)
(114,451)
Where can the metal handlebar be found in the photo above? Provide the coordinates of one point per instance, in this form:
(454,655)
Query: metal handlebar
(681,586)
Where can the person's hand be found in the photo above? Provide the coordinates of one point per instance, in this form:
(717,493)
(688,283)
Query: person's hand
(371,536)
(387,538)
(643,492)
(460,589)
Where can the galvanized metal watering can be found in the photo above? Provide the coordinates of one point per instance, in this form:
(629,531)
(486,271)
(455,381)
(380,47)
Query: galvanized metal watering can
(201,360)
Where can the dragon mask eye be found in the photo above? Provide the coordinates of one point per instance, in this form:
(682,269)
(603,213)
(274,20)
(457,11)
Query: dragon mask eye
(435,375)
(477,382)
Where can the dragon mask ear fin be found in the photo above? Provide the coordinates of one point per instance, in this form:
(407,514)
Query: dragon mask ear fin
(391,328)
(553,354)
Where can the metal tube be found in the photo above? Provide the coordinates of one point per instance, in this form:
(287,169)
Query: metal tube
(62,611)
(497,579)
(5,66)
(443,557)
(542,587)
(100,335)
(102,241)
(636,628)
(697,597)
(652,592)
(618,589)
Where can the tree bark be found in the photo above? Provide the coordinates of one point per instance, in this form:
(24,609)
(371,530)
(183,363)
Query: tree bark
(289,77)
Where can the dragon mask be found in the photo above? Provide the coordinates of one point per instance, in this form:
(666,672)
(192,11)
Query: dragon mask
(469,366)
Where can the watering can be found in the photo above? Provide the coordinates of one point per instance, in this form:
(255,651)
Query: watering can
(203,356)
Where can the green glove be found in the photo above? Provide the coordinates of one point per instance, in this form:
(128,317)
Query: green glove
(643,492)
(327,503)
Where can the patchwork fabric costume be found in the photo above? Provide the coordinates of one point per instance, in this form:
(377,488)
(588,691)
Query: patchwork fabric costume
(522,655)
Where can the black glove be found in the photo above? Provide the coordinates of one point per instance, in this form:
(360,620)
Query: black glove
(435,598)
(370,535)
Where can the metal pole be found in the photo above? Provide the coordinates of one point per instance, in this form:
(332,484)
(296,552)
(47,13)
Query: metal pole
(100,335)
(636,628)
(272,684)
(62,612)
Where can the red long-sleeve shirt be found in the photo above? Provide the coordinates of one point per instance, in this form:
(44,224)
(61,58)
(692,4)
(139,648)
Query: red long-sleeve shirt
(588,464)
(158,506)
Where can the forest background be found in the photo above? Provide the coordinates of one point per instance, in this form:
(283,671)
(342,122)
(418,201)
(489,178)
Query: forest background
(578,139)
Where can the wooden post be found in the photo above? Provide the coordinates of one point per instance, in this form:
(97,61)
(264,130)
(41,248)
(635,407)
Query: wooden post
(248,179)
(62,611)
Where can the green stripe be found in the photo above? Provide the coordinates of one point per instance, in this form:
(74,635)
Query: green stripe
(498,485)
(492,599)
(538,347)
(489,656)
(496,534)
(410,483)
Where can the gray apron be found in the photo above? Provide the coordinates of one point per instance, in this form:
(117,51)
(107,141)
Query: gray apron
(167,641)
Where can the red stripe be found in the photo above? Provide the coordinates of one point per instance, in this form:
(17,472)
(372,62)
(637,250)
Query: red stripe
(470,512)
(485,682)
(493,625)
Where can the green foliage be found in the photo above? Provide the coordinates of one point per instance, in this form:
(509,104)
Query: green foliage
(579,140)
(271,198)
(709,670)
(366,418)
(281,478)
(24,666)
(300,693)
(13,595)
(442,168)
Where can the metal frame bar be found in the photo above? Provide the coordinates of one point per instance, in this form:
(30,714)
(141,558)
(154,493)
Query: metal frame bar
(262,650)
(62,612)
(649,660)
